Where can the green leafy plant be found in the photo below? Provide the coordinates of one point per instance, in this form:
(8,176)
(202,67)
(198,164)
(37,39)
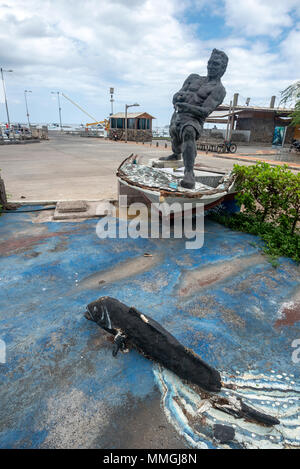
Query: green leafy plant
(270,201)
(291,94)
(270,193)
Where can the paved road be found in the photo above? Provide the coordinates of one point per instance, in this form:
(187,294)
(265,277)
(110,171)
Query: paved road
(68,167)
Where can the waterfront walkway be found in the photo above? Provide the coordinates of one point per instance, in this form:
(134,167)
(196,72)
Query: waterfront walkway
(68,167)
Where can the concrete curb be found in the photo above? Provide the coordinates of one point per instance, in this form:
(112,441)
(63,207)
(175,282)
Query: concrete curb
(53,202)
(21,142)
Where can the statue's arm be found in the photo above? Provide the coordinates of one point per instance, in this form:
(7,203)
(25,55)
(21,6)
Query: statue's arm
(215,98)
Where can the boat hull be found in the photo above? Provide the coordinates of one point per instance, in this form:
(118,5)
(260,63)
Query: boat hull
(160,186)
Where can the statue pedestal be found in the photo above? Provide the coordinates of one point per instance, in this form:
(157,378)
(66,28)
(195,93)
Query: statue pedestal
(155,163)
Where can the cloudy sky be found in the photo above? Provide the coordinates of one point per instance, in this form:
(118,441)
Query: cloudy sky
(144,49)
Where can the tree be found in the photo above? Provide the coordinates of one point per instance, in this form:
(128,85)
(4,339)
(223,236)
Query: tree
(292,94)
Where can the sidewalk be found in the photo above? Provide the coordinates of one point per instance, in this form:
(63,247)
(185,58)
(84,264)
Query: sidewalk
(249,154)
(70,168)
(259,156)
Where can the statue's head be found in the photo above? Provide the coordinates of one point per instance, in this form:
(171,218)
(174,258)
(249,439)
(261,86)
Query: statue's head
(217,64)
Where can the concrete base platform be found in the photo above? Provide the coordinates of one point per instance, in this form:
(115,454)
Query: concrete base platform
(82,210)
(72,206)
(156,163)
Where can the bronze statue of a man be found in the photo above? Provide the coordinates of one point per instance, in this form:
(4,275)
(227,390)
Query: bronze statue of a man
(198,97)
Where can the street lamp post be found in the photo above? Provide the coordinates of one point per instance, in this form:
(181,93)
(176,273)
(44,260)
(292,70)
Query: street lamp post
(59,107)
(4,92)
(126,108)
(111,91)
(27,113)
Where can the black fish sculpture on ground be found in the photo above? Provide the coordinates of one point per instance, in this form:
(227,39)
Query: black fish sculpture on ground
(129,326)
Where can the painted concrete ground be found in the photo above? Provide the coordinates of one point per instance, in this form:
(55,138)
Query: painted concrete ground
(60,385)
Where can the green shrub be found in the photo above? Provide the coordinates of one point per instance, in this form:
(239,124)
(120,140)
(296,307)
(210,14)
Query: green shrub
(270,199)
(270,193)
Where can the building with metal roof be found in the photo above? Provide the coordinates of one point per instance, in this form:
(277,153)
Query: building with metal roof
(261,122)
(138,128)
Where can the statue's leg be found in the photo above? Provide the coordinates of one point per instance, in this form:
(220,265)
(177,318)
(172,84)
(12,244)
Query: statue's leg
(176,147)
(189,154)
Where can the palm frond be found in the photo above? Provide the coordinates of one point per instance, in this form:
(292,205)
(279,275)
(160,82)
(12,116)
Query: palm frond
(291,93)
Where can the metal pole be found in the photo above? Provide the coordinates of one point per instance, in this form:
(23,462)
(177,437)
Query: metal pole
(8,121)
(126,107)
(111,90)
(27,113)
(59,110)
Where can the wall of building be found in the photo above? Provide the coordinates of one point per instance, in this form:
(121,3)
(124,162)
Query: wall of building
(297,132)
(133,135)
(262,126)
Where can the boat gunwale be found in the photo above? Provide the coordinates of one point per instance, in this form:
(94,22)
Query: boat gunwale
(165,193)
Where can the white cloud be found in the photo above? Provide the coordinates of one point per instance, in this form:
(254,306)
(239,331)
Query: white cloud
(260,17)
(141,47)
(290,48)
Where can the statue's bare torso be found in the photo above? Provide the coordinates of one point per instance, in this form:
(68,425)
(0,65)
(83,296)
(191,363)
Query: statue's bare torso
(197,98)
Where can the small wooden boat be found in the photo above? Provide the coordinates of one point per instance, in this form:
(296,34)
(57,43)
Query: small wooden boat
(158,185)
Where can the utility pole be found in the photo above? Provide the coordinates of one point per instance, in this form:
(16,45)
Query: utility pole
(235,99)
(112,90)
(233,106)
(59,107)
(4,92)
(228,122)
(272,102)
(27,113)
(126,108)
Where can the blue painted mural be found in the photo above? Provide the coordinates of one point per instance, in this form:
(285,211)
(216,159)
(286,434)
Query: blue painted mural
(224,301)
